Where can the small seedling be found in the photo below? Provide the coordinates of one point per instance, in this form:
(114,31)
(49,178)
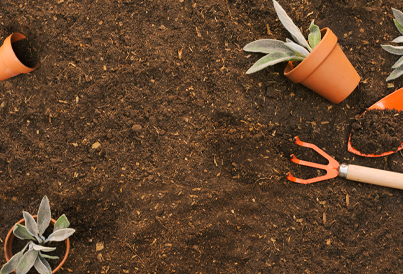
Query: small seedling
(397,50)
(279,51)
(33,231)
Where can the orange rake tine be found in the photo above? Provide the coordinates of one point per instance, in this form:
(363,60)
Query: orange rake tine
(332,168)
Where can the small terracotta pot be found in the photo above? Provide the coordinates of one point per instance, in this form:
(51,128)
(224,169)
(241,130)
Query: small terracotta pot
(10,65)
(326,70)
(8,243)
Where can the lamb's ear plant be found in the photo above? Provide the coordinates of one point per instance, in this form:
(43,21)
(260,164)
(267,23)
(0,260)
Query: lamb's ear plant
(397,50)
(278,51)
(33,231)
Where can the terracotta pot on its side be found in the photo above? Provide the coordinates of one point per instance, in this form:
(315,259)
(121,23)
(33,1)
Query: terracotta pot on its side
(10,65)
(326,70)
(8,243)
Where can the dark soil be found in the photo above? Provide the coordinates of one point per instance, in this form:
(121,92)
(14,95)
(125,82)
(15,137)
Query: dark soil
(25,52)
(142,127)
(378,131)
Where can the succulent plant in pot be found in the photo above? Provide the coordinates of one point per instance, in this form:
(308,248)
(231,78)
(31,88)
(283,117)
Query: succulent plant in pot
(34,254)
(322,66)
(397,50)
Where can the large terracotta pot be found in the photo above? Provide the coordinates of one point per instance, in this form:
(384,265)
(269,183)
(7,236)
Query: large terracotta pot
(326,70)
(10,65)
(8,243)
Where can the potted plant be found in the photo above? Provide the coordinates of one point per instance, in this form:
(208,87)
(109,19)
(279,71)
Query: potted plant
(322,66)
(17,56)
(397,50)
(34,254)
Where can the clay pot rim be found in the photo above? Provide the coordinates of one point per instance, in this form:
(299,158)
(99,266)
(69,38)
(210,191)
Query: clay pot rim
(314,58)
(8,242)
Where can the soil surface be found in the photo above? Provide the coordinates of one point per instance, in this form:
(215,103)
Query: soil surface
(141,126)
(378,131)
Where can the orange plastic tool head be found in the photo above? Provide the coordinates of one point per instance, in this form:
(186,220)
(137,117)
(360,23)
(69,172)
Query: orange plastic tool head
(332,168)
(392,101)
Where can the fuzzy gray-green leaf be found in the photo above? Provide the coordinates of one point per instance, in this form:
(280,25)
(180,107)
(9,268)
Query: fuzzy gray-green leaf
(398,40)
(44,215)
(62,222)
(22,233)
(60,235)
(393,49)
(290,26)
(399,63)
(11,265)
(43,248)
(395,74)
(398,16)
(26,261)
(42,266)
(267,46)
(398,26)
(46,256)
(299,50)
(314,36)
(30,224)
(272,59)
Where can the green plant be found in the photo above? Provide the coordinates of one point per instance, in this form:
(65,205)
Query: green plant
(23,261)
(397,50)
(278,51)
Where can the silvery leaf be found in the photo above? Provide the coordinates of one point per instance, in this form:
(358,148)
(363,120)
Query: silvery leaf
(43,248)
(398,16)
(398,63)
(60,235)
(11,265)
(272,59)
(46,256)
(290,26)
(62,222)
(266,46)
(395,74)
(398,26)
(44,215)
(299,50)
(26,261)
(22,233)
(314,36)
(30,224)
(398,40)
(42,266)
(393,49)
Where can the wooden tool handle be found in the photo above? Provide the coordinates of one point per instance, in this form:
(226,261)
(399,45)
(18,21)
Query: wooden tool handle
(374,176)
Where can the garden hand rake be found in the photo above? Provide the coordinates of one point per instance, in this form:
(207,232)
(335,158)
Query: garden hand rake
(350,172)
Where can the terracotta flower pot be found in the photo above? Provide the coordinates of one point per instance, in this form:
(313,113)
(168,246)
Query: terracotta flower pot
(326,70)
(10,65)
(8,243)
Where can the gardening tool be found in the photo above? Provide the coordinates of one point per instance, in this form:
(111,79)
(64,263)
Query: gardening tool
(350,172)
(392,101)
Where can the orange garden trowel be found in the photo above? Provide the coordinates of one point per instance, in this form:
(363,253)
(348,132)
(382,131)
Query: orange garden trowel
(350,172)
(392,101)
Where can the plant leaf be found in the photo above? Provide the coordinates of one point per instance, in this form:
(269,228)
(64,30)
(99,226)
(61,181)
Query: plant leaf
(26,261)
(314,36)
(272,59)
(299,50)
(43,248)
(62,222)
(11,265)
(60,235)
(398,40)
(398,16)
(395,74)
(290,26)
(46,256)
(398,26)
(393,49)
(30,224)
(267,46)
(44,215)
(22,233)
(42,266)
(398,63)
